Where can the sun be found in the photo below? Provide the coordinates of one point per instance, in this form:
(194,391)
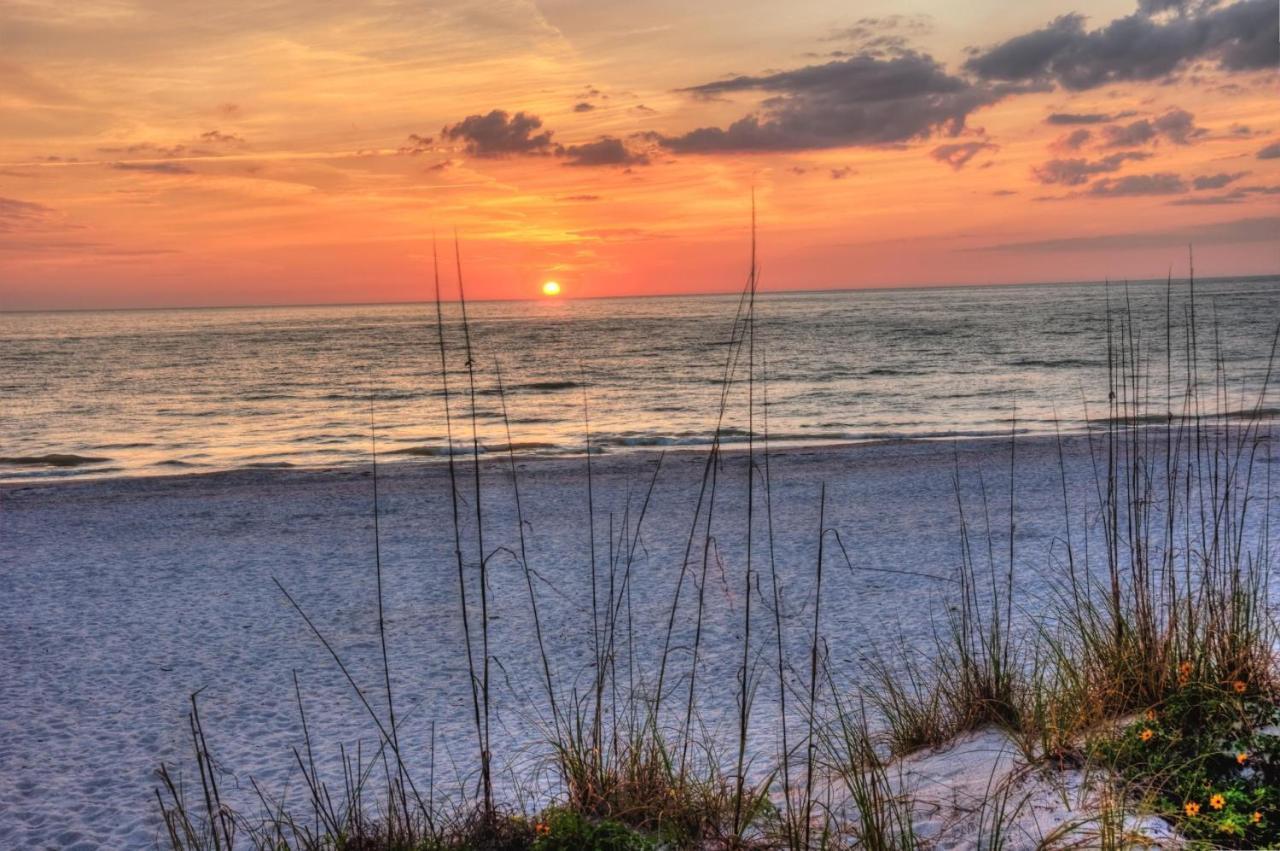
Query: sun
(551,288)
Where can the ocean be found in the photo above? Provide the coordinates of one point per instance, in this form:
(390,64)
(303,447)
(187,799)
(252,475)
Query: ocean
(150,392)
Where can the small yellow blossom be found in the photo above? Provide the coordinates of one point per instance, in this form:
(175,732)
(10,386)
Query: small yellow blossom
(542,828)
(1184,668)
(1242,757)
(1146,735)
(1192,808)
(1217,802)
(1256,817)
(1239,686)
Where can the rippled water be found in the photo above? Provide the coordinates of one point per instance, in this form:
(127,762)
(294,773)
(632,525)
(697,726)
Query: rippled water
(150,392)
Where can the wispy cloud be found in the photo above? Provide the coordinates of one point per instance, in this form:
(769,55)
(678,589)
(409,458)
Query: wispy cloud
(1261,229)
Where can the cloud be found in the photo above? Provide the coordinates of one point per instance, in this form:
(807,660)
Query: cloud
(581,198)
(863,100)
(604,151)
(1073,172)
(1177,126)
(1216,181)
(1163,183)
(842,172)
(1261,229)
(1085,117)
(16,214)
(151,149)
(1001,193)
(1240,37)
(958,154)
(1270,152)
(583,106)
(217,137)
(1073,141)
(415,145)
(498,134)
(881,36)
(154,168)
(1235,196)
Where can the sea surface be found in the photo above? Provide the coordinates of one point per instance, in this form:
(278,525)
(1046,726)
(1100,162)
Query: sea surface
(149,392)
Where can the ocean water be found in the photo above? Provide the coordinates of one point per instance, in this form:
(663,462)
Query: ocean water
(128,393)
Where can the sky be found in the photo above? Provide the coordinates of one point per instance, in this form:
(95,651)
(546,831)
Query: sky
(179,153)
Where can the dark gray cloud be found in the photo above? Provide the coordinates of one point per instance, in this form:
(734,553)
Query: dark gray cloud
(1177,126)
(154,168)
(1244,36)
(1162,183)
(1074,172)
(583,106)
(863,100)
(1270,152)
(958,154)
(581,198)
(842,172)
(499,134)
(1086,117)
(1216,181)
(604,151)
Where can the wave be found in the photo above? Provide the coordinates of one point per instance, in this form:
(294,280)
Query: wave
(546,385)
(1059,363)
(53,459)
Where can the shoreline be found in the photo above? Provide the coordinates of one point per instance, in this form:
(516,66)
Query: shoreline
(393,461)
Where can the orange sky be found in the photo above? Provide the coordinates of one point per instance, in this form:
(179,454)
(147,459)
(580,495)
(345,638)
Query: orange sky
(175,153)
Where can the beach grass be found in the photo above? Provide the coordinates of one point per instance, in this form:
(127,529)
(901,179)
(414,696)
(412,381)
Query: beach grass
(1168,630)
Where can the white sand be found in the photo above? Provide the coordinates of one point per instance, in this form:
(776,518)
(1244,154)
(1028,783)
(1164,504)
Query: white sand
(119,598)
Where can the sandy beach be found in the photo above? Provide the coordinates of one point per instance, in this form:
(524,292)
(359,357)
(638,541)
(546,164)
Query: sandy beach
(122,597)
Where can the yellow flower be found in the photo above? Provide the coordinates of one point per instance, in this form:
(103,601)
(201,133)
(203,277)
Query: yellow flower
(1239,686)
(1146,735)
(1241,757)
(1217,802)
(1256,817)
(542,828)
(1184,668)
(1192,808)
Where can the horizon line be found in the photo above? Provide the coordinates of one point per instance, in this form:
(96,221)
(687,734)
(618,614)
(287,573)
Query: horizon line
(695,294)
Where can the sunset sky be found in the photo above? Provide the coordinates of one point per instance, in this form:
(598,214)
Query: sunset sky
(182,153)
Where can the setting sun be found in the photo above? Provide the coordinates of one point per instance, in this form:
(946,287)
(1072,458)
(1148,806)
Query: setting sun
(551,288)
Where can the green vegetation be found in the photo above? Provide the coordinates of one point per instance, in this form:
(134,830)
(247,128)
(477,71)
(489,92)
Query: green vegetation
(1198,760)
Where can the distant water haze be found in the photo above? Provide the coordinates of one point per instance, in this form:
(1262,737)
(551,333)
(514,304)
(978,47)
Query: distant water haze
(127,393)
